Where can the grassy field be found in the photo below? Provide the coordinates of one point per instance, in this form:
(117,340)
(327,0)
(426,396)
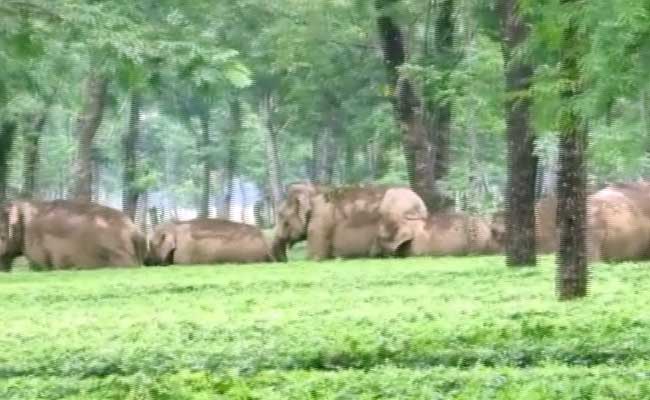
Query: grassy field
(465,328)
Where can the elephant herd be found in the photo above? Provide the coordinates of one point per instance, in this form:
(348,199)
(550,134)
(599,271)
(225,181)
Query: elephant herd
(345,222)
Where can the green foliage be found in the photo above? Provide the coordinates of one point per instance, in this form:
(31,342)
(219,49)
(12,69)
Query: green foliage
(341,328)
(317,59)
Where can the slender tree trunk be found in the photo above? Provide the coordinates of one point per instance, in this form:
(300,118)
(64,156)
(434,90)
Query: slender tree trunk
(96,180)
(376,157)
(474,168)
(130,190)
(7,136)
(348,165)
(273,170)
(31,155)
(233,153)
(154,216)
(645,120)
(324,156)
(412,118)
(572,272)
(142,214)
(522,162)
(206,145)
(244,200)
(88,123)
(372,159)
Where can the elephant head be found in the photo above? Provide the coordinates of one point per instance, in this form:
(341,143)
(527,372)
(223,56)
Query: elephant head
(402,214)
(11,234)
(162,245)
(292,219)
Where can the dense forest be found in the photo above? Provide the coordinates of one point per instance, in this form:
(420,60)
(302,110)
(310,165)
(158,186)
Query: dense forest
(168,108)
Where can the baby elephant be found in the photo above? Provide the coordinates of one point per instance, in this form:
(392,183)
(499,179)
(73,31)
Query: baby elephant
(207,241)
(454,234)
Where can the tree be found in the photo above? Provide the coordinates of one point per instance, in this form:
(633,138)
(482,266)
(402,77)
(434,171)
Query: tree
(326,142)
(572,273)
(7,131)
(440,102)
(32,154)
(208,167)
(88,123)
(130,188)
(522,162)
(410,114)
(274,173)
(232,140)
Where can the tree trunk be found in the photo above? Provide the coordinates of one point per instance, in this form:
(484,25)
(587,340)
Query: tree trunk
(7,136)
(441,107)
(645,120)
(233,154)
(88,123)
(272,155)
(349,165)
(154,216)
(412,119)
(244,200)
(323,156)
(372,155)
(522,162)
(130,190)
(142,214)
(31,155)
(206,146)
(572,273)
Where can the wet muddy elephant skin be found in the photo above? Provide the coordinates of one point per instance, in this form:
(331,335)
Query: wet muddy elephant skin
(346,222)
(66,234)
(207,241)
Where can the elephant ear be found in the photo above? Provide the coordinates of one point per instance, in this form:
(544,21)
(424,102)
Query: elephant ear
(14,220)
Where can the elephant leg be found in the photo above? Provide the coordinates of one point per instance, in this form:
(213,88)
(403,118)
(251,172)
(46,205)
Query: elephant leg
(319,245)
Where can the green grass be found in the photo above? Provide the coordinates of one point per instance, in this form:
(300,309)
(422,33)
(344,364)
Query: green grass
(466,328)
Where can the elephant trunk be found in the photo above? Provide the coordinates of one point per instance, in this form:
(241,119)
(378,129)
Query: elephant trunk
(151,258)
(279,249)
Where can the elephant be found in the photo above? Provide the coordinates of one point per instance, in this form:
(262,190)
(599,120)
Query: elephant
(454,234)
(207,241)
(618,223)
(68,234)
(346,222)
(546,235)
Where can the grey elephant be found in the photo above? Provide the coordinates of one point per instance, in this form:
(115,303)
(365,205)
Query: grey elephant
(352,221)
(66,234)
(207,241)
